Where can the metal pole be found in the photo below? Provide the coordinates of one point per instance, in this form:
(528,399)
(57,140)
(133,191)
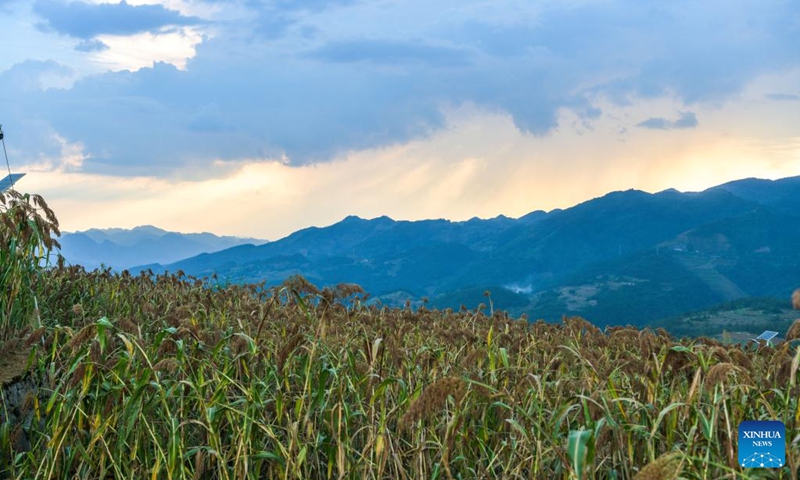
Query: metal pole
(2,139)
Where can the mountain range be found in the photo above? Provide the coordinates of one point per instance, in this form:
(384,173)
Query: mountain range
(629,257)
(120,248)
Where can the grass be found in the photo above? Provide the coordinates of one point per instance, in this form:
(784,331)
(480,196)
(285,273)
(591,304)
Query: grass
(27,226)
(166,377)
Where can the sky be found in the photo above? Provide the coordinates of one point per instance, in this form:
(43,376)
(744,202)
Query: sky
(258,118)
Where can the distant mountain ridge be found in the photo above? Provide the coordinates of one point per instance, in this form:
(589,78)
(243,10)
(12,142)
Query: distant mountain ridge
(121,248)
(626,257)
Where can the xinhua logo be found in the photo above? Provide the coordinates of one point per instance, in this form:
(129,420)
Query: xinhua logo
(762,444)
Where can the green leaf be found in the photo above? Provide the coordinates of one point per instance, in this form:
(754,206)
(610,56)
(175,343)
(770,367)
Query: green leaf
(578,448)
(518,428)
(681,348)
(661,415)
(269,456)
(504,357)
(104,322)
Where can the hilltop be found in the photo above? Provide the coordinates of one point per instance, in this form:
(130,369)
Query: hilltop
(122,248)
(626,257)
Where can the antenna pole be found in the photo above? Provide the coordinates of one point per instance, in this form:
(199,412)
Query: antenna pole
(2,139)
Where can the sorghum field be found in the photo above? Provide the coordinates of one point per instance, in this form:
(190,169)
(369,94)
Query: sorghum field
(173,377)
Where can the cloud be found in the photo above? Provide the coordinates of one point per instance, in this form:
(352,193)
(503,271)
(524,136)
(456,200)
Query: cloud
(68,158)
(32,76)
(698,52)
(87,20)
(783,97)
(592,113)
(273,26)
(91,46)
(391,53)
(209,119)
(686,120)
(316,80)
(655,123)
(310,5)
(154,124)
(143,50)
(275,19)
(478,164)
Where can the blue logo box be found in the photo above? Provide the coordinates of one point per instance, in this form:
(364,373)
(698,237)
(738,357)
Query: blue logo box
(762,444)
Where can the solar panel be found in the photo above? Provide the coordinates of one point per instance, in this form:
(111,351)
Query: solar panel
(9,181)
(767,335)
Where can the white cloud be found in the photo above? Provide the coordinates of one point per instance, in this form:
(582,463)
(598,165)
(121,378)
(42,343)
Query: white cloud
(69,158)
(133,52)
